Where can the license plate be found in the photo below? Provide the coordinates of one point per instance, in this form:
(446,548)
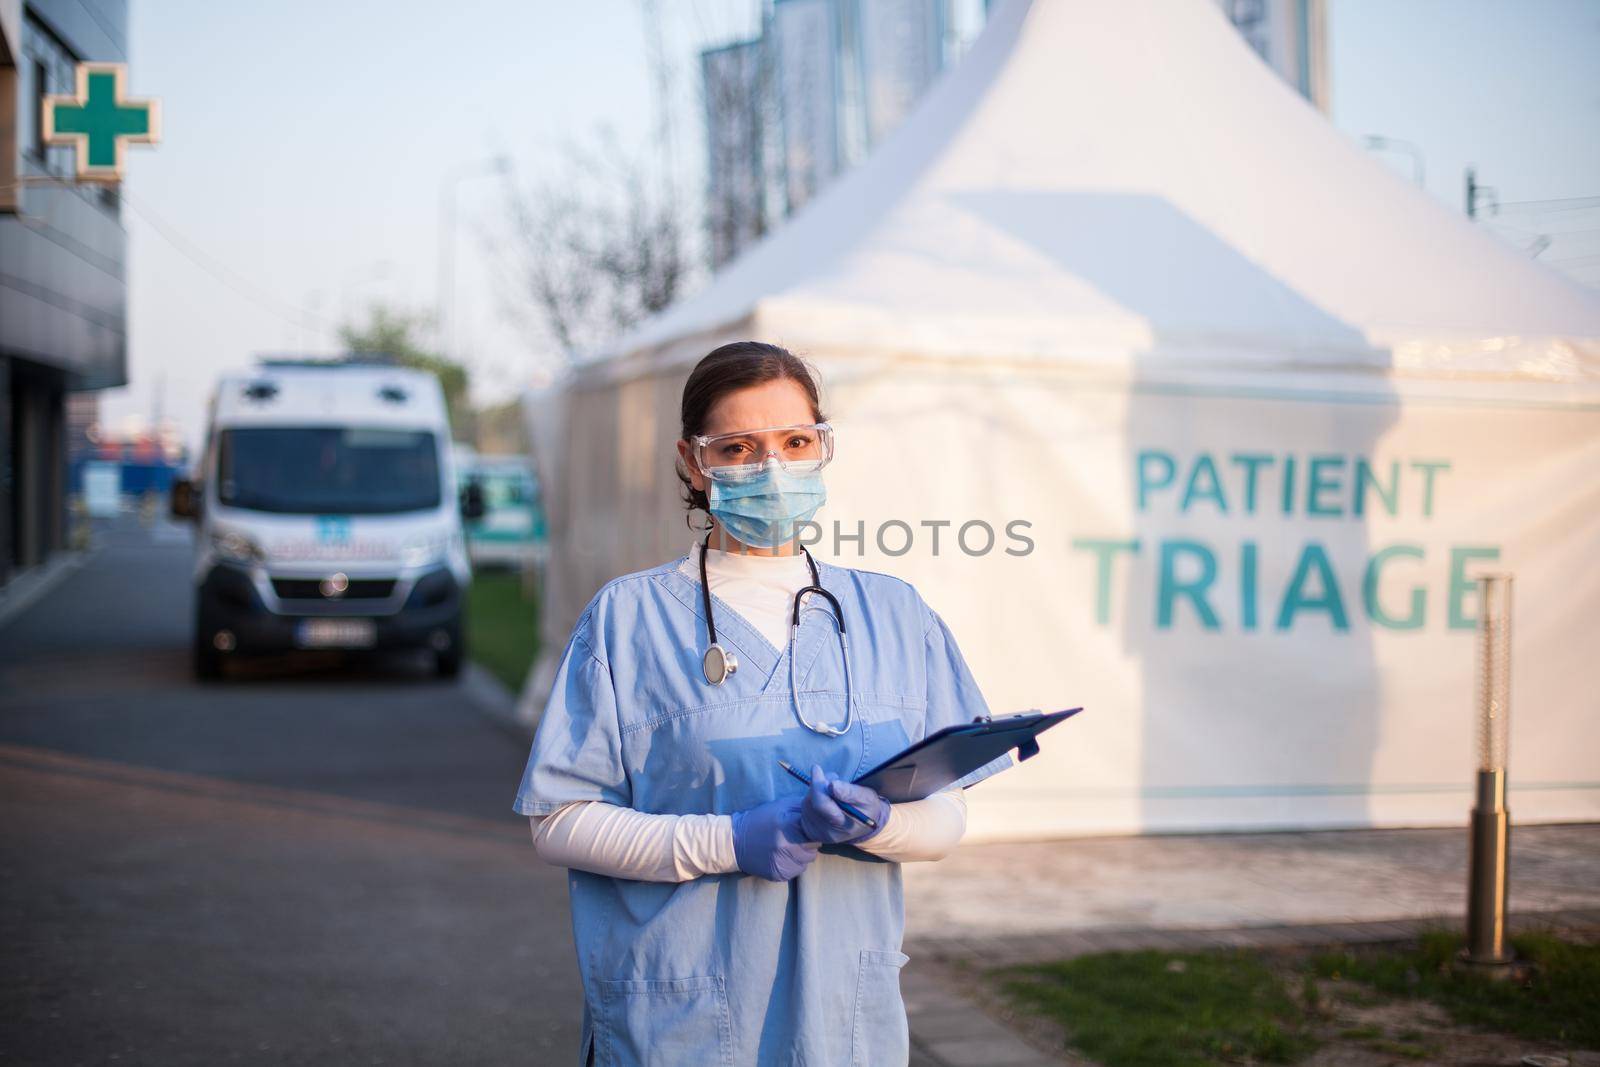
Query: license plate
(335,633)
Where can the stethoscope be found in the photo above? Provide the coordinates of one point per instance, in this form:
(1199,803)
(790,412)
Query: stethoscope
(719,663)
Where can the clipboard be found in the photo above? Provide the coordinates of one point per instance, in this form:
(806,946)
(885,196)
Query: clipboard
(950,754)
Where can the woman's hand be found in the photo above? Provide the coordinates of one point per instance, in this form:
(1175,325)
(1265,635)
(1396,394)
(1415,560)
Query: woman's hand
(823,821)
(768,843)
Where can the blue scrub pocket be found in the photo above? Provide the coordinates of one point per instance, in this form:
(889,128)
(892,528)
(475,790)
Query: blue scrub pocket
(664,1022)
(880,1034)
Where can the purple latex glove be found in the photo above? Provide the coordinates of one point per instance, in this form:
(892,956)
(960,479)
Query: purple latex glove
(767,841)
(823,821)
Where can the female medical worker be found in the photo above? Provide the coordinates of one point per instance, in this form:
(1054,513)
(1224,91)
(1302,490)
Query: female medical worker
(725,913)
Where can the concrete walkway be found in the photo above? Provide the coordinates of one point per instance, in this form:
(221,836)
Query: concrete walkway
(992,905)
(312,862)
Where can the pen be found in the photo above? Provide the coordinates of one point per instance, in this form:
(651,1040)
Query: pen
(849,809)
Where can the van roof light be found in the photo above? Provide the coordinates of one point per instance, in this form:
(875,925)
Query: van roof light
(261,391)
(393,394)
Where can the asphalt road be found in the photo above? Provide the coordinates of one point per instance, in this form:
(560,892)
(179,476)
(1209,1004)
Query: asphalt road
(314,863)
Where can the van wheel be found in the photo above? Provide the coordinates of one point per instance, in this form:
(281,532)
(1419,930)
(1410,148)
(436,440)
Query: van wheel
(207,660)
(447,661)
(447,664)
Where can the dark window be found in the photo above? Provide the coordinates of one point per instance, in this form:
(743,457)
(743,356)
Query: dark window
(310,470)
(41,89)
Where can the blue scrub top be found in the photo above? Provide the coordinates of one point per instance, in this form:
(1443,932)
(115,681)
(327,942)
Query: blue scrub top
(734,969)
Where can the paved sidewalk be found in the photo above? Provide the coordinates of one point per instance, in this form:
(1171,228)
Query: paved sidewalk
(992,905)
(33,584)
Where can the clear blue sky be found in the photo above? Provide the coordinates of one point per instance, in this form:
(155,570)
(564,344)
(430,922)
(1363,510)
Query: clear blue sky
(305,145)
(1510,85)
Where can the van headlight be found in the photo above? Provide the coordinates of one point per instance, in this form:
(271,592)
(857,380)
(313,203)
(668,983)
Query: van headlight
(421,551)
(236,548)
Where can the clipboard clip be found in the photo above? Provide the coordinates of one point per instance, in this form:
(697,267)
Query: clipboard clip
(1025,749)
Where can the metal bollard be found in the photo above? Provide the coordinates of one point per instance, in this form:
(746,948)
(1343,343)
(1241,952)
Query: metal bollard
(1487,880)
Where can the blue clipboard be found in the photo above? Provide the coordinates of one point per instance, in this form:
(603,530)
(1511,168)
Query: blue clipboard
(952,753)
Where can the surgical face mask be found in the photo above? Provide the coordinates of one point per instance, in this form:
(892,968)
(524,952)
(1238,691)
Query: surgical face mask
(766,508)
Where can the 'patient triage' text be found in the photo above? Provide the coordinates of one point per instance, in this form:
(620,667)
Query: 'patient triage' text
(1275,577)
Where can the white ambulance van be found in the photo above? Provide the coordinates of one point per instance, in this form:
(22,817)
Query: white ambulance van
(327,515)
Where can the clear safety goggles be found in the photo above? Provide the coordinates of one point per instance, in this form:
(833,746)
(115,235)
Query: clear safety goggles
(732,457)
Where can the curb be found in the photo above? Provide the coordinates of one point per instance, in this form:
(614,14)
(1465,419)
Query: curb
(489,695)
(949,1029)
(1039,948)
(28,587)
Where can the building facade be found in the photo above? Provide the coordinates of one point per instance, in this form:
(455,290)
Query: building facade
(827,80)
(63,289)
(788,111)
(1291,36)
(741,118)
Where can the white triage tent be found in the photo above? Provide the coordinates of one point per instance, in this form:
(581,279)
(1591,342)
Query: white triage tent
(1175,405)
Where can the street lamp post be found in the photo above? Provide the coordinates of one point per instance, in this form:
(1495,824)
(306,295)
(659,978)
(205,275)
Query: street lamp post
(446,297)
(1489,840)
(1394,144)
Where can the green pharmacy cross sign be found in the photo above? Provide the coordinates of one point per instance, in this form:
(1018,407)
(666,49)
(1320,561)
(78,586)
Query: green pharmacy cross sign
(100,121)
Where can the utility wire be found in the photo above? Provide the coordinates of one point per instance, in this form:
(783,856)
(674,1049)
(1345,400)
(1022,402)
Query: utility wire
(1569,233)
(1532,228)
(1571,203)
(227,276)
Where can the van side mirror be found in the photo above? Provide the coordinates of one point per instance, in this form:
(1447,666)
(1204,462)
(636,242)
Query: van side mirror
(185,500)
(472,506)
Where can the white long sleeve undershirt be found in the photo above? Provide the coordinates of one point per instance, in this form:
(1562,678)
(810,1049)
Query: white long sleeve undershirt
(760,588)
(592,835)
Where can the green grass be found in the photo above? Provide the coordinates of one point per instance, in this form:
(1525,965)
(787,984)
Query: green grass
(1162,1009)
(502,626)
(1401,1048)
(1555,1002)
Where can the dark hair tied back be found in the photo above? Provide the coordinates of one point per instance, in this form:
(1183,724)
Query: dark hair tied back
(737,365)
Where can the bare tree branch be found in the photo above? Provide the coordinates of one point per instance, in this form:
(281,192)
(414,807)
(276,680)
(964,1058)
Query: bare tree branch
(593,249)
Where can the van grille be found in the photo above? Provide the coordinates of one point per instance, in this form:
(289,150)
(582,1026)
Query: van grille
(311,589)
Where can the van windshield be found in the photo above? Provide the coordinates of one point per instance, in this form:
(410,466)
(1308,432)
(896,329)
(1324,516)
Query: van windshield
(328,469)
